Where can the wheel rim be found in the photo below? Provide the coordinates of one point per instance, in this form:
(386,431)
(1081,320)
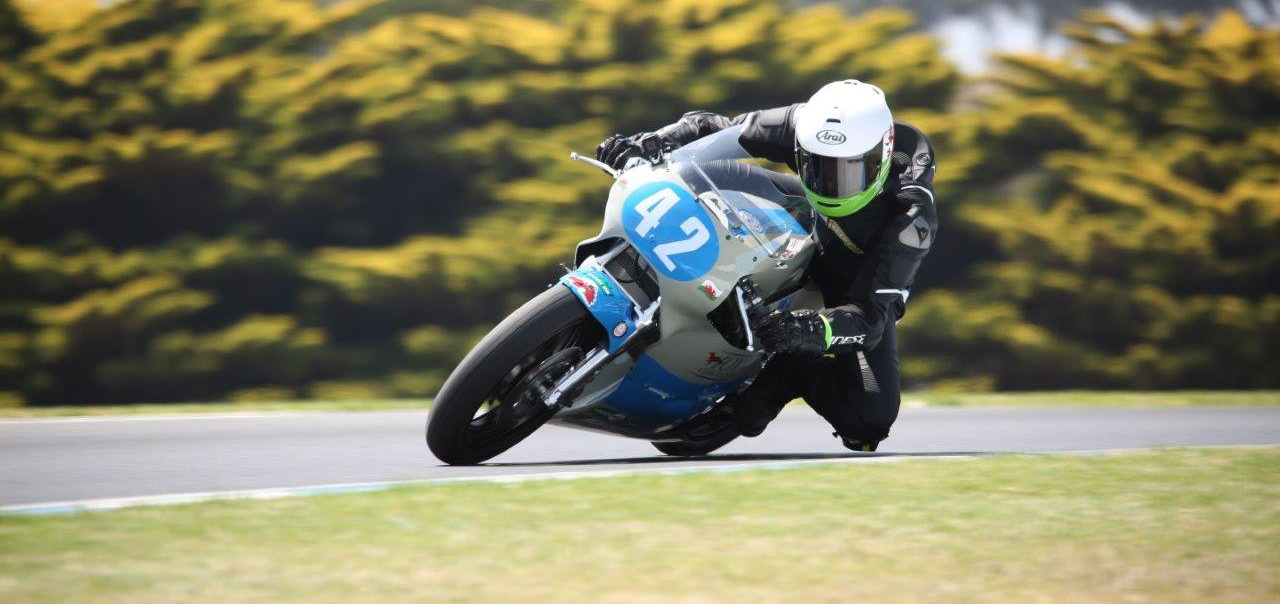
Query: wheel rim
(518,398)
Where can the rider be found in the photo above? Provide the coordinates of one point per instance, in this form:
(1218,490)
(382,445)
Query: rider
(870,179)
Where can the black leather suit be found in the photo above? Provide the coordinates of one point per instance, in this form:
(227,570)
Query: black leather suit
(865,267)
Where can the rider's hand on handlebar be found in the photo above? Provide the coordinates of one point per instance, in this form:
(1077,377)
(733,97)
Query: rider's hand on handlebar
(617,149)
(802,331)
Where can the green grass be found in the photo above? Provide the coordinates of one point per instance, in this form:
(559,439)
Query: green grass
(181,408)
(1096,398)
(1065,398)
(1180,525)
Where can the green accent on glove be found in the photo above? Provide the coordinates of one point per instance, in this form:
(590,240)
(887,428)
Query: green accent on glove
(826,332)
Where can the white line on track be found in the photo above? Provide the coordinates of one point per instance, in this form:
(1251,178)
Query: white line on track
(89,505)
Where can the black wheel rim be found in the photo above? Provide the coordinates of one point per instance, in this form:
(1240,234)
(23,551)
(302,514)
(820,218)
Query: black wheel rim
(517,399)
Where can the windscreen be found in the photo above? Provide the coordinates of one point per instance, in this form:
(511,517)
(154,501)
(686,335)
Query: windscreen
(750,199)
(721,145)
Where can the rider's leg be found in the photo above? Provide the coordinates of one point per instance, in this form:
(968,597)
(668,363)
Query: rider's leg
(859,394)
(761,402)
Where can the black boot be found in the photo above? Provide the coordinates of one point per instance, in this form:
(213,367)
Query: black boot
(854,445)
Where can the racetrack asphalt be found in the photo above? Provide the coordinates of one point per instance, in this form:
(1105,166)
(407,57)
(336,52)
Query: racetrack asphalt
(69,459)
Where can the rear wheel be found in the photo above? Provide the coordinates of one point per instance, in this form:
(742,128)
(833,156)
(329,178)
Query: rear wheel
(715,438)
(494,398)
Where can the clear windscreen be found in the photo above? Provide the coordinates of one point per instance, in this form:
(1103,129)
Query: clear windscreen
(743,196)
(721,145)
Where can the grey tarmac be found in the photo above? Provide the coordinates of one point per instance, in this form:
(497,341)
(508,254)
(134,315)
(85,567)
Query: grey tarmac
(74,459)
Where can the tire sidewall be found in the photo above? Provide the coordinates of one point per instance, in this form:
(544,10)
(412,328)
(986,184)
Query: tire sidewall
(520,334)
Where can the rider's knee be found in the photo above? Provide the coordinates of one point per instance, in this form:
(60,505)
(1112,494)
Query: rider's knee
(861,432)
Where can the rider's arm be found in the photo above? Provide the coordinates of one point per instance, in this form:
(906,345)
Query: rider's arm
(693,126)
(767,133)
(883,285)
(770,134)
(881,289)
(878,294)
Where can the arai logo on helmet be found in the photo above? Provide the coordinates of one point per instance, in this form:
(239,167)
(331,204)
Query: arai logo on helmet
(830,137)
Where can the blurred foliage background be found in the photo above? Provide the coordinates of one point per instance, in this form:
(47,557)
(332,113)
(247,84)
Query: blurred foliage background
(276,199)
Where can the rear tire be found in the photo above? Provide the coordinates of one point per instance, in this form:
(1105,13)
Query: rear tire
(494,397)
(701,446)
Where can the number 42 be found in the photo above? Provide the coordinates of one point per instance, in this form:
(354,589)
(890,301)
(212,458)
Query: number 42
(652,209)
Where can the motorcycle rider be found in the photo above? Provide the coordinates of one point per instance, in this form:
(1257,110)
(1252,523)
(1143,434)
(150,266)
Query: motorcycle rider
(870,179)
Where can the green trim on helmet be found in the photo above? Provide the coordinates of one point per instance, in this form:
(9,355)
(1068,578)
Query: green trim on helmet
(826,331)
(837,207)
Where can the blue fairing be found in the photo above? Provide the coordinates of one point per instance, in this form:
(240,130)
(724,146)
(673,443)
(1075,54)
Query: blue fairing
(668,226)
(651,393)
(604,299)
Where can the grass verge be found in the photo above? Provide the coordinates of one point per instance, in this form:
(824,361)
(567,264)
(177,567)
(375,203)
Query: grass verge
(1096,398)
(1175,525)
(1065,398)
(227,407)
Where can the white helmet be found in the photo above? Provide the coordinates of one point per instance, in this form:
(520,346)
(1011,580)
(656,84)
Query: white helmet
(844,138)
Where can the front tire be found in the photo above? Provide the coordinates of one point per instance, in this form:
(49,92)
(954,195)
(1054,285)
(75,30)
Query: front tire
(494,397)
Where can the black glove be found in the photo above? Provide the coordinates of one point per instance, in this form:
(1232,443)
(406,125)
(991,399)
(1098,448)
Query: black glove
(617,149)
(802,331)
(910,190)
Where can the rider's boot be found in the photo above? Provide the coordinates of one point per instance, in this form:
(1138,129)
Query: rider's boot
(854,445)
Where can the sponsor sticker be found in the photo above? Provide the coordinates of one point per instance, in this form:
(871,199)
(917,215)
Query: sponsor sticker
(721,366)
(588,289)
(841,340)
(794,245)
(752,221)
(712,293)
(671,230)
(830,137)
(600,283)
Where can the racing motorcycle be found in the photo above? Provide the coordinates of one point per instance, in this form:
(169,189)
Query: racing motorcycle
(652,327)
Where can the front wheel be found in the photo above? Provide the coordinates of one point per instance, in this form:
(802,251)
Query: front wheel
(494,398)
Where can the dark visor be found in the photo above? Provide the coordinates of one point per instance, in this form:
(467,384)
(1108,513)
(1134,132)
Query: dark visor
(838,177)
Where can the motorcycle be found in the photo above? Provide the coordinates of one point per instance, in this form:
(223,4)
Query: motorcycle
(652,327)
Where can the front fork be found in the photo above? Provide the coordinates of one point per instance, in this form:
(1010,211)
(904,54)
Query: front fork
(751,308)
(629,328)
(644,335)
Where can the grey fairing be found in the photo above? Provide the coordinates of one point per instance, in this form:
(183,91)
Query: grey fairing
(774,259)
(722,145)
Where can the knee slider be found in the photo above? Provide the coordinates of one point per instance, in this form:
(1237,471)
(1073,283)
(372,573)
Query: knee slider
(862,432)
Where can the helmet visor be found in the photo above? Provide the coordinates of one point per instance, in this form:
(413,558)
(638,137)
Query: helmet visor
(838,178)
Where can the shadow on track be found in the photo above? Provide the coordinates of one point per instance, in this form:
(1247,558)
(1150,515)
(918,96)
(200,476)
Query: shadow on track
(665,459)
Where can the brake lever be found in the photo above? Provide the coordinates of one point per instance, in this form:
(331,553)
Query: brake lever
(597,163)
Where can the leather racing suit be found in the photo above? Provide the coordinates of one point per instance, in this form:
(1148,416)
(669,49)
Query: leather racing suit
(865,268)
